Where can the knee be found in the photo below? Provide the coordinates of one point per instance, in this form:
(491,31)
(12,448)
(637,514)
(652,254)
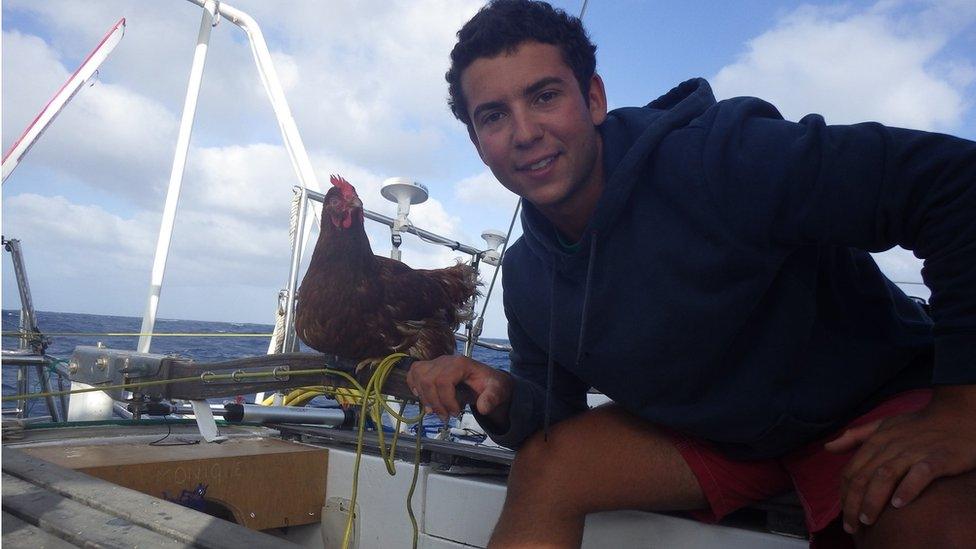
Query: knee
(944,515)
(544,467)
(539,461)
(904,528)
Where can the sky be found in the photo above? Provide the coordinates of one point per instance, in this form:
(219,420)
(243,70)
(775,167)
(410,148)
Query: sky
(365,84)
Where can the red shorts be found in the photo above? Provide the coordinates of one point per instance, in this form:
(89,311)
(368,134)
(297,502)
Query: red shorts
(812,471)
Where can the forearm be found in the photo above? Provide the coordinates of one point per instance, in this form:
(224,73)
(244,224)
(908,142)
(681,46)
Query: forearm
(955,398)
(524,414)
(497,420)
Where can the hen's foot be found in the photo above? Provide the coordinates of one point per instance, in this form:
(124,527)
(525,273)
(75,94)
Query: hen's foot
(370,363)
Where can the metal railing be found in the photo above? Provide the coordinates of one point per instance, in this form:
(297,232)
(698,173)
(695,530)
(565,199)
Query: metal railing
(33,344)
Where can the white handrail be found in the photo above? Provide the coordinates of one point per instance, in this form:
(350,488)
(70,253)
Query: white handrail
(176,176)
(272,85)
(286,123)
(276,94)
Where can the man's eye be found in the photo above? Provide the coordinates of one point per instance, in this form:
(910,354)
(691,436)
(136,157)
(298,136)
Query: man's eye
(546,96)
(491,117)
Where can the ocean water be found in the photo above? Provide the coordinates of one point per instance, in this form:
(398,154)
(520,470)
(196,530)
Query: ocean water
(68,330)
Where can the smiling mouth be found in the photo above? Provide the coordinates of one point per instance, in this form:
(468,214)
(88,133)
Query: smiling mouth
(539,165)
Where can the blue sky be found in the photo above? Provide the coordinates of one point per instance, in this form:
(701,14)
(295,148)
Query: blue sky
(365,83)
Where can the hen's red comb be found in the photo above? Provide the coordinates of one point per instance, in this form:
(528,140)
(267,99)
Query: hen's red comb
(343,185)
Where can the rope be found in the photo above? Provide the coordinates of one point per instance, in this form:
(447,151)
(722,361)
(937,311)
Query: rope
(12,429)
(278,335)
(296,203)
(277,343)
(52,365)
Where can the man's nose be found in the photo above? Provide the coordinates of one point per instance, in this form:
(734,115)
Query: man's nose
(527,130)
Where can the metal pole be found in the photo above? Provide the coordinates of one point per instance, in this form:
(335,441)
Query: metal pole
(28,323)
(22,388)
(176,176)
(45,380)
(425,235)
(276,94)
(297,246)
(30,335)
(470,333)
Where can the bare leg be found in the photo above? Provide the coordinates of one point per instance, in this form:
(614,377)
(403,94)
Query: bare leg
(944,515)
(601,460)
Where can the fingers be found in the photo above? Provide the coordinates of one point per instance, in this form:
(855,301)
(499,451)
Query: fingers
(435,382)
(862,474)
(852,493)
(919,476)
(852,438)
(879,488)
(447,399)
(896,482)
(903,456)
(487,402)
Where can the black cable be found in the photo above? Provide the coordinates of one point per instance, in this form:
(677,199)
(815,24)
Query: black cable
(179,441)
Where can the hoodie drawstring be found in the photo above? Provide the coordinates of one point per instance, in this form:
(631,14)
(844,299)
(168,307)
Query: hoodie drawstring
(584,314)
(549,359)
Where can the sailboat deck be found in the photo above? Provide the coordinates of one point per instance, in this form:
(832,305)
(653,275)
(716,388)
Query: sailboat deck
(53,506)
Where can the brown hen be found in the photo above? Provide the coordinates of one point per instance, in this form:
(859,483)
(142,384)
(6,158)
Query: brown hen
(361,306)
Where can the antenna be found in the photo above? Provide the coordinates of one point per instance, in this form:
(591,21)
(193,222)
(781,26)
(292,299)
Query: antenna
(405,193)
(495,239)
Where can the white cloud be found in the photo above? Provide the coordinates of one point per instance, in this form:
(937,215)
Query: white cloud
(902,267)
(248,180)
(82,231)
(483,190)
(106,136)
(876,64)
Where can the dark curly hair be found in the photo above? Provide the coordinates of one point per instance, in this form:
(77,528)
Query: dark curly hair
(502,26)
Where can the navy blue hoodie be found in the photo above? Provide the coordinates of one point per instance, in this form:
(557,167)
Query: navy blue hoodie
(722,287)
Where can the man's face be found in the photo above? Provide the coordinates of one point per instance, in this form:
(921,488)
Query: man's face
(533,127)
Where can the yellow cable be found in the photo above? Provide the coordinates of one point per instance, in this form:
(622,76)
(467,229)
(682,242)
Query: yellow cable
(295,393)
(205,377)
(374,403)
(305,397)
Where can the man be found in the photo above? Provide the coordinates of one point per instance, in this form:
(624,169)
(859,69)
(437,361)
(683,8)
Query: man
(703,264)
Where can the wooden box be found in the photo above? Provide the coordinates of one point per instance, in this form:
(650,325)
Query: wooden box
(264,483)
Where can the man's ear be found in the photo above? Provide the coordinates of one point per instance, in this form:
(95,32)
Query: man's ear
(474,141)
(597,100)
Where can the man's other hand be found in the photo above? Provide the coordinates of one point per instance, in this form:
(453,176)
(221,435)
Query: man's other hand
(435,383)
(900,456)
